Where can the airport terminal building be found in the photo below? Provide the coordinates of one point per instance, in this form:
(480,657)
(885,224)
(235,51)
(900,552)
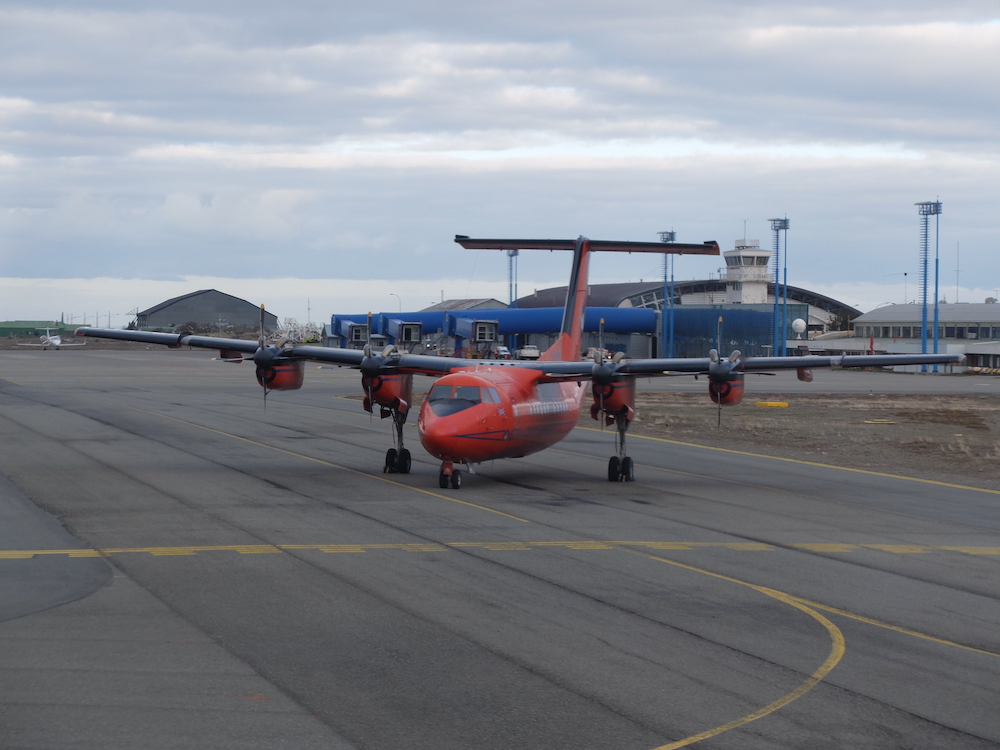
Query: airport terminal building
(972,329)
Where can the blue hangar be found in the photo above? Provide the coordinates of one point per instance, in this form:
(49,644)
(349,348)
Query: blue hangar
(467,329)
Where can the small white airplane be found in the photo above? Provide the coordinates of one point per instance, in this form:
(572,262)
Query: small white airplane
(48,339)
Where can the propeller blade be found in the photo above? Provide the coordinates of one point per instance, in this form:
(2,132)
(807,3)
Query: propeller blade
(260,350)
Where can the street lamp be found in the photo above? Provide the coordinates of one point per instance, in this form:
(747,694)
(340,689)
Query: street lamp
(398,299)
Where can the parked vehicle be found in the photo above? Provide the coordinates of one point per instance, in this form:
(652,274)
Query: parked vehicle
(527,352)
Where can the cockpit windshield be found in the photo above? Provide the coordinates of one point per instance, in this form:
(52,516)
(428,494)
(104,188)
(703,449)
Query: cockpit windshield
(450,399)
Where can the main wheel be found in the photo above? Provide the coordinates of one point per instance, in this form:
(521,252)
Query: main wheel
(614,469)
(456,480)
(443,480)
(390,461)
(403,462)
(628,473)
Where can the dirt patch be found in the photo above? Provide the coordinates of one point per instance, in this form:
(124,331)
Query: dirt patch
(953,439)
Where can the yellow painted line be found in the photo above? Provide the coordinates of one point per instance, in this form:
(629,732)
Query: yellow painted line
(896,628)
(806,463)
(837,649)
(304,457)
(583,545)
(773,404)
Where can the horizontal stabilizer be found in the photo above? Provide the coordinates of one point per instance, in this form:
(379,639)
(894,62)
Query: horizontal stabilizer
(679,248)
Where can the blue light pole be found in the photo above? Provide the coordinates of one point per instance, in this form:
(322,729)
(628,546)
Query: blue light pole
(667,313)
(512,291)
(928,209)
(780,292)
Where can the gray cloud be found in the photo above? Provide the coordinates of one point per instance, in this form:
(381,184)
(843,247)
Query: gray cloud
(164,139)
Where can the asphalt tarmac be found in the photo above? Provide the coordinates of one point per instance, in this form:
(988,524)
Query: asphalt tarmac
(230,576)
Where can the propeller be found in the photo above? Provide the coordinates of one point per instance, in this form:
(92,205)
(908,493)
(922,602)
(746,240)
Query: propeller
(599,371)
(604,372)
(371,365)
(260,350)
(267,356)
(720,371)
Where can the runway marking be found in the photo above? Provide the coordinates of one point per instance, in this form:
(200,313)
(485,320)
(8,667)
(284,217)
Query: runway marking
(837,649)
(806,606)
(326,463)
(869,472)
(896,628)
(584,545)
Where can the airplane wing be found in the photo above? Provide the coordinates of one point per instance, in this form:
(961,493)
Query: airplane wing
(582,370)
(416,363)
(653,367)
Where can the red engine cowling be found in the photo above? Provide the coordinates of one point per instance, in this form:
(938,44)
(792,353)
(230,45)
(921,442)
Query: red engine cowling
(230,356)
(617,397)
(804,374)
(390,391)
(728,392)
(282,376)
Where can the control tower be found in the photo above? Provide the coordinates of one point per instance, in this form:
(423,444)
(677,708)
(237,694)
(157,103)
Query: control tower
(746,273)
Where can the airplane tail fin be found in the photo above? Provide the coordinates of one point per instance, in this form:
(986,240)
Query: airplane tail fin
(567,346)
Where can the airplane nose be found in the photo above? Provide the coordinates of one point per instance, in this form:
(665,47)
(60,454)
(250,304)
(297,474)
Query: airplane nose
(437,435)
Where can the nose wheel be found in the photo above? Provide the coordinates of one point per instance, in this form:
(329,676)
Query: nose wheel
(449,475)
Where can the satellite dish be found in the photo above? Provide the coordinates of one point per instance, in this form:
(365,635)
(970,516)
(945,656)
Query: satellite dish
(799,326)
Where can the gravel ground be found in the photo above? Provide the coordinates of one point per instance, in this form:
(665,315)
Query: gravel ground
(954,439)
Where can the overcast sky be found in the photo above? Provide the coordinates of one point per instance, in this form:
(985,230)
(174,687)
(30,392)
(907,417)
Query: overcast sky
(156,147)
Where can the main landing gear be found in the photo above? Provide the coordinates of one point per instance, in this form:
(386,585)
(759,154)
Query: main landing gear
(397,460)
(449,475)
(620,468)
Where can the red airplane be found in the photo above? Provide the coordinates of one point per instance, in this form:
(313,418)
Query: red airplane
(479,412)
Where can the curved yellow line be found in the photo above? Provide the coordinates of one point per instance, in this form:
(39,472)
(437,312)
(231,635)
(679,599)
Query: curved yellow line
(807,463)
(837,649)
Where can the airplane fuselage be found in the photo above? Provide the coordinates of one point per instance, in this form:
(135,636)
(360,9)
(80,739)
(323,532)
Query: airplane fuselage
(496,412)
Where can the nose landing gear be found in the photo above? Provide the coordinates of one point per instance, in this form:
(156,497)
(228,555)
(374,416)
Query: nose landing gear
(449,475)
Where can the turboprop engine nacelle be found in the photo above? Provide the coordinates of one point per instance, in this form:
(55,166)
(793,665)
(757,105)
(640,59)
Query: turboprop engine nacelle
(282,375)
(393,390)
(613,397)
(725,382)
(729,392)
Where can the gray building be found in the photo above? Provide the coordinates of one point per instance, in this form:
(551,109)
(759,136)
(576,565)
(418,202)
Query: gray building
(972,329)
(207,307)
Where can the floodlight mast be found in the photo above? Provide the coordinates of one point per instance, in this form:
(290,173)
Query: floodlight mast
(667,311)
(780,293)
(926,210)
(512,291)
